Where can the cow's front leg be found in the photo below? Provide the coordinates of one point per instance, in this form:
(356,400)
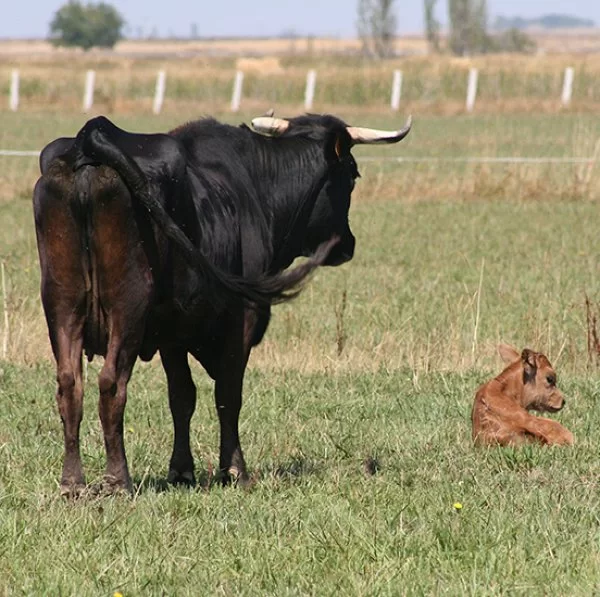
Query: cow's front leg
(549,432)
(182,402)
(228,397)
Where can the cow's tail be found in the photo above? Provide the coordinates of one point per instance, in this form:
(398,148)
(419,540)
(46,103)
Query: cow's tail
(94,146)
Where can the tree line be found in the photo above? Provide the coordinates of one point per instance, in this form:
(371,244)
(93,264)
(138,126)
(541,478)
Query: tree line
(100,25)
(467,29)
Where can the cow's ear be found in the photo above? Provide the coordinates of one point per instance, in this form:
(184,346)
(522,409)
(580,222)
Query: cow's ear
(338,147)
(507,353)
(341,145)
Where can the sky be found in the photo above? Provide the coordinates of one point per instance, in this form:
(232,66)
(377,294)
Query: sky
(30,18)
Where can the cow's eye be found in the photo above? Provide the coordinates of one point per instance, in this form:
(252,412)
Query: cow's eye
(551,379)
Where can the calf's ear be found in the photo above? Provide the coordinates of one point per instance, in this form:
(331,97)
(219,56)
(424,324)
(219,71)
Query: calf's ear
(529,364)
(507,353)
(528,357)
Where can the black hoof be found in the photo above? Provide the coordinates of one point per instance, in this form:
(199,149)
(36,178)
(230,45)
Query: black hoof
(185,478)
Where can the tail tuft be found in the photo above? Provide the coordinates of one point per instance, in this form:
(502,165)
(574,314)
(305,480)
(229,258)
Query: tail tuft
(288,284)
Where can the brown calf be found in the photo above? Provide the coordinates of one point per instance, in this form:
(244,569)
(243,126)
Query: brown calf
(500,414)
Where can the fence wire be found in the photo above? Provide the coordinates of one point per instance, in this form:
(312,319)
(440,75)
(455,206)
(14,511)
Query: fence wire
(416,159)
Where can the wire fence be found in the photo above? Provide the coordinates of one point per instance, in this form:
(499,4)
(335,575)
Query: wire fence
(415,159)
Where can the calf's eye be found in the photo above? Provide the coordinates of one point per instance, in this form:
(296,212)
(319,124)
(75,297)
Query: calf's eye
(551,379)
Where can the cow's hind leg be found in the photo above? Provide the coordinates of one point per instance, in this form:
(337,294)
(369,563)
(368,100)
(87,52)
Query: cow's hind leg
(112,382)
(182,402)
(69,398)
(63,292)
(124,292)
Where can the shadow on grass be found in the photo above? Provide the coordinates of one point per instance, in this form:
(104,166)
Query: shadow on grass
(158,484)
(292,470)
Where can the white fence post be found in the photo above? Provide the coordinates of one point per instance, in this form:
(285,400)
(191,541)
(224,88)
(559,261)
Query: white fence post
(236,96)
(567,90)
(309,94)
(159,94)
(472,89)
(14,90)
(88,93)
(396,90)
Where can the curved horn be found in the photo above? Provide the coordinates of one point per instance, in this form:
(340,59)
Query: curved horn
(270,112)
(372,136)
(267,125)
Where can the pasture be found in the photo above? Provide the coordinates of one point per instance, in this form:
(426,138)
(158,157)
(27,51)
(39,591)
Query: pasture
(374,367)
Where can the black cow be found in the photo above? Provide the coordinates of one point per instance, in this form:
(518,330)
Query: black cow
(178,243)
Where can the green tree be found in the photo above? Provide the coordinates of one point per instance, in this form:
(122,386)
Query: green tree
(377,27)
(86,25)
(468,27)
(513,40)
(432,26)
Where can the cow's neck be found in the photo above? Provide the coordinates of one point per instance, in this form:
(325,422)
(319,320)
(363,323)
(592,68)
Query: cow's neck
(511,382)
(295,176)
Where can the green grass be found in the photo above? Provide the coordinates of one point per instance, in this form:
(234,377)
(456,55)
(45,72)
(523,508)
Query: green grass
(555,136)
(448,264)
(314,522)
(434,285)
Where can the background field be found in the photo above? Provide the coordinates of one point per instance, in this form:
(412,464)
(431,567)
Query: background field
(200,76)
(451,258)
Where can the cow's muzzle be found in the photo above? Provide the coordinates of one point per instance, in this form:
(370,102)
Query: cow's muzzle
(342,252)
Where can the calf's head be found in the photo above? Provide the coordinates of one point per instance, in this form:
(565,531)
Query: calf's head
(334,140)
(533,378)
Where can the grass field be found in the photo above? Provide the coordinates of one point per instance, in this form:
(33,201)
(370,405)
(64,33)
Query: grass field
(451,259)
